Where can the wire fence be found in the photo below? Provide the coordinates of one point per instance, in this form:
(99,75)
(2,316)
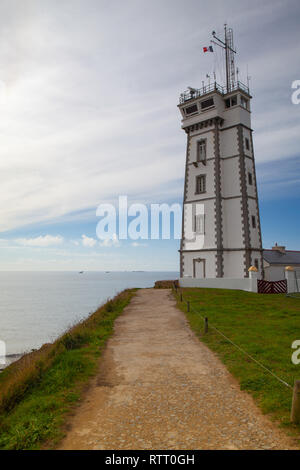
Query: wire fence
(190,308)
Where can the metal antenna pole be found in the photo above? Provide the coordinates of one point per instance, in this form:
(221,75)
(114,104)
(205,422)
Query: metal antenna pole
(227,60)
(231,58)
(228,46)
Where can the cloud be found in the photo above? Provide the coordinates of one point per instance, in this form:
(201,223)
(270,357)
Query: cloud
(113,242)
(41,241)
(91,93)
(88,242)
(137,244)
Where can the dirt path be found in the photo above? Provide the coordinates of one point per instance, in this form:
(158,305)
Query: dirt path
(159,387)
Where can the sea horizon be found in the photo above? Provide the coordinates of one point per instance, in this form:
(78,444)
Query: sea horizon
(38,306)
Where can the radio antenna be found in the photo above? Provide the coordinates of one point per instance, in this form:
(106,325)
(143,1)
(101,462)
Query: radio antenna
(228,46)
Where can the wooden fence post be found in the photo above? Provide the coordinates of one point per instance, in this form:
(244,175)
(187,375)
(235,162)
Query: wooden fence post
(205,325)
(180,296)
(295,413)
(188,306)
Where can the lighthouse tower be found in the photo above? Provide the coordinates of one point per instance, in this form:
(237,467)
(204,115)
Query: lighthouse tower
(221,235)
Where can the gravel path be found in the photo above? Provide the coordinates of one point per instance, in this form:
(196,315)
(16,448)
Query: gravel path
(159,387)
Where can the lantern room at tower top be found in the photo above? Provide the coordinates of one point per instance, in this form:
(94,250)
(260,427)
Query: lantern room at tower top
(213,101)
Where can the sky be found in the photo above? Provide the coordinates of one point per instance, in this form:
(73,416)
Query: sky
(88,111)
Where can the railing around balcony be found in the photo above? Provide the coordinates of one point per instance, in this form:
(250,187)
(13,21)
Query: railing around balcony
(196,93)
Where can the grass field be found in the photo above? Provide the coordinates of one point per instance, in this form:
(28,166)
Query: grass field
(37,392)
(263,325)
(295,295)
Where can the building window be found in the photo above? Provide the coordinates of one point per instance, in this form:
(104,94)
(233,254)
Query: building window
(256,263)
(200,184)
(231,101)
(191,109)
(247,142)
(250,179)
(201,151)
(200,224)
(207,103)
(253,222)
(244,102)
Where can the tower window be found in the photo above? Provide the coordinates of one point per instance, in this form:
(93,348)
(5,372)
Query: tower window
(247,143)
(200,184)
(234,100)
(250,179)
(256,263)
(253,222)
(201,151)
(207,103)
(244,102)
(231,101)
(191,109)
(200,224)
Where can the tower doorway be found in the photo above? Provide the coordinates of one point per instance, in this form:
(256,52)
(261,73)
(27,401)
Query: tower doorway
(199,268)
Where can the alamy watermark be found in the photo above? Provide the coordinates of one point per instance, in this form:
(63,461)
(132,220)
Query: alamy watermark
(296,94)
(296,354)
(154,222)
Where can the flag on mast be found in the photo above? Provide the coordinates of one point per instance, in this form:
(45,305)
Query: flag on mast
(208,49)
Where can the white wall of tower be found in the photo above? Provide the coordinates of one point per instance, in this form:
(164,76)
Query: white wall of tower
(232,224)
(225,144)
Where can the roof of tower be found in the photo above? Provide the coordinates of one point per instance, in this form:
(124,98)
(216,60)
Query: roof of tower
(193,93)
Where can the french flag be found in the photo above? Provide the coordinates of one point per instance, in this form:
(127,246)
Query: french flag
(208,49)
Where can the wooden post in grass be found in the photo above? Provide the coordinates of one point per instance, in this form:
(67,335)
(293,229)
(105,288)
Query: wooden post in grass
(205,325)
(188,306)
(295,414)
(180,296)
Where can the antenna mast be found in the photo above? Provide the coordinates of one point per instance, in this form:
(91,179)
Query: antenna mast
(228,46)
(231,53)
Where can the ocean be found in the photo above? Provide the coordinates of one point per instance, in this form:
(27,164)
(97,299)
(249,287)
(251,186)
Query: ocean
(37,307)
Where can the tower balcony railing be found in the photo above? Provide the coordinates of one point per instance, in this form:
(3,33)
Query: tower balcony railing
(193,93)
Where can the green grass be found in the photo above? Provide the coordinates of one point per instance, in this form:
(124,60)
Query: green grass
(263,325)
(38,391)
(295,295)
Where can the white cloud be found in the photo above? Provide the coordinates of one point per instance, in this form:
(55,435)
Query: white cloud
(88,241)
(90,111)
(111,242)
(137,244)
(41,241)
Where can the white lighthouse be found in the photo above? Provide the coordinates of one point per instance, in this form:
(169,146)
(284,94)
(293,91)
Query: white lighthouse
(221,235)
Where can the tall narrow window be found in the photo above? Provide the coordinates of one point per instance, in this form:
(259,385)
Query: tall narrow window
(253,222)
(244,102)
(256,263)
(234,100)
(200,224)
(247,143)
(200,184)
(201,151)
(250,179)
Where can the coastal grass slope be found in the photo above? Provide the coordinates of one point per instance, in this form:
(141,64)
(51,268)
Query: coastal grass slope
(38,391)
(265,326)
